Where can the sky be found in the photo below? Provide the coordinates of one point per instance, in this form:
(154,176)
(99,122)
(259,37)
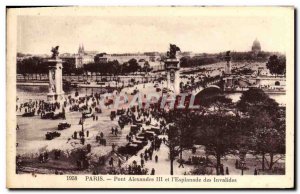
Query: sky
(121,34)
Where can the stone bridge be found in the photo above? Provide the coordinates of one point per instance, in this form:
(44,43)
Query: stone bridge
(200,86)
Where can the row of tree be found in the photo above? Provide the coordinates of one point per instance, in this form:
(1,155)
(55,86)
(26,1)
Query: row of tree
(115,68)
(35,65)
(38,66)
(255,124)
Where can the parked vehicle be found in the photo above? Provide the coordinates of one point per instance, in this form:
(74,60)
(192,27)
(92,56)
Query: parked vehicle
(87,115)
(59,115)
(130,149)
(52,135)
(120,111)
(47,115)
(155,130)
(134,129)
(28,114)
(63,125)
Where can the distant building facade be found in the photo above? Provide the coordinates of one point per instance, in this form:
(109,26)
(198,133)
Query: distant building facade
(80,58)
(84,57)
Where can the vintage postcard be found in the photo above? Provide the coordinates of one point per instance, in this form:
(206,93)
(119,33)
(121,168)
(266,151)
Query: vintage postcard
(150,97)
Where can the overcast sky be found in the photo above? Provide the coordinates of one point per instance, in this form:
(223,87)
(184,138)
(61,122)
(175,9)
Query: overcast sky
(115,34)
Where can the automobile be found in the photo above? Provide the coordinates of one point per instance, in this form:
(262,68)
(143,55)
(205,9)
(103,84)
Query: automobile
(149,135)
(130,149)
(47,115)
(98,110)
(101,83)
(124,119)
(165,90)
(155,130)
(136,122)
(28,114)
(140,144)
(52,135)
(74,107)
(59,115)
(87,115)
(158,89)
(141,137)
(63,125)
(109,102)
(156,85)
(120,111)
(135,92)
(134,129)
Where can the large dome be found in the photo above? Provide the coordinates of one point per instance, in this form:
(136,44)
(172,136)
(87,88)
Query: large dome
(256,46)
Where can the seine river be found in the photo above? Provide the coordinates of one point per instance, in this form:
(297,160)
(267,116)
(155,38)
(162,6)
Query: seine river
(40,92)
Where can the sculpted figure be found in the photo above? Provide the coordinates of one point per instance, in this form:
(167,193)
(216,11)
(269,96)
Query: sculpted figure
(55,52)
(172,53)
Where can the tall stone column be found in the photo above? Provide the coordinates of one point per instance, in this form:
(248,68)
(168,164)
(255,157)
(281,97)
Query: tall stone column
(228,63)
(173,77)
(172,67)
(56,93)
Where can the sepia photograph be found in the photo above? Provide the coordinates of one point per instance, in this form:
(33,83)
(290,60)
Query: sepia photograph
(151,97)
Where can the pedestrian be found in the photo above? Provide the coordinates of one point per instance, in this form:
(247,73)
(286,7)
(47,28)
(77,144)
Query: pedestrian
(75,135)
(156,158)
(181,163)
(112,130)
(255,171)
(119,163)
(113,147)
(236,163)
(142,162)
(82,140)
(227,171)
(87,133)
(152,171)
(88,147)
(222,169)
(111,162)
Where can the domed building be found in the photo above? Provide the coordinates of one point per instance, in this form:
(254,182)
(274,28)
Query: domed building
(256,48)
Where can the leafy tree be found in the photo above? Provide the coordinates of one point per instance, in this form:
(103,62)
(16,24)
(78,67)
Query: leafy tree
(276,65)
(180,133)
(32,65)
(219,133)
(267,131)
(68,67)
(255,101)
(268,141)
